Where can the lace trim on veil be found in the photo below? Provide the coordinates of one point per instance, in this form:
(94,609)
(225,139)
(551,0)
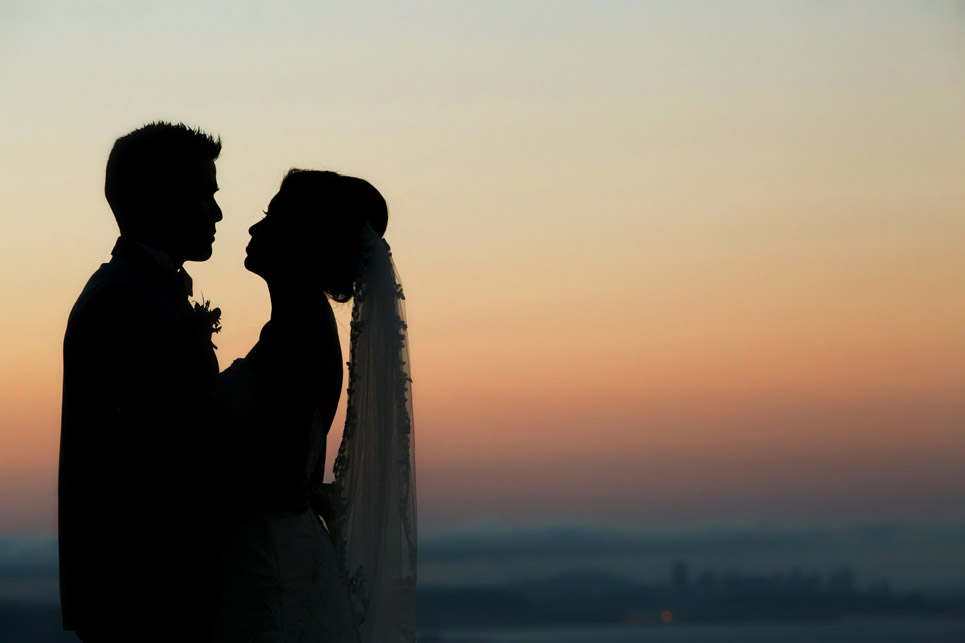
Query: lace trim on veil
(375,509)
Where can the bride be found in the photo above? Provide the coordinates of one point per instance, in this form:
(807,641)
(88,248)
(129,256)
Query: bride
(304,560)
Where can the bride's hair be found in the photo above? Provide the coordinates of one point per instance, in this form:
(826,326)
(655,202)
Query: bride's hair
(338,208)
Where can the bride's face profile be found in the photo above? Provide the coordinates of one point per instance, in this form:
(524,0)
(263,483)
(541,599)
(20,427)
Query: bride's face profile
(294,240)
(269,249)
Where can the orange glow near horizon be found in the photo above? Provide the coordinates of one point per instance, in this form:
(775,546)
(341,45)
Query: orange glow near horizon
(661,263)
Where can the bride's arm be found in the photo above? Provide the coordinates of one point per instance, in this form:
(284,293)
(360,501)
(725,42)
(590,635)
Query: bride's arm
(269,397)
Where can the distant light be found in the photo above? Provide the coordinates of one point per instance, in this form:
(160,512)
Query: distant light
(666,616)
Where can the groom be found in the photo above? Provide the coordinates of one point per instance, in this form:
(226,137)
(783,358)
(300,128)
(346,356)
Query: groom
(141,459)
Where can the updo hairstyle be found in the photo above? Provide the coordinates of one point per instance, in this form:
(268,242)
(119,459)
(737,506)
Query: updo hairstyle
(335,209)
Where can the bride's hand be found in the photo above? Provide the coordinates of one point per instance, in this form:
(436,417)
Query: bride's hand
(322,499)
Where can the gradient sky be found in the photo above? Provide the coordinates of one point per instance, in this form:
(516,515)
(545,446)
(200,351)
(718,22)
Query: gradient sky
(675,263)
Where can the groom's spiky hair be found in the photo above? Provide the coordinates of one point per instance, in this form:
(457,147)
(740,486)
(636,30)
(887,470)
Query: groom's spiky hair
(146,157)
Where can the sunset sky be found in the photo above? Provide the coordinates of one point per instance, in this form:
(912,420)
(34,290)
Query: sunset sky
(666,263)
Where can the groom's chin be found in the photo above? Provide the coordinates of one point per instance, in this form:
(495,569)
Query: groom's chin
(201,254)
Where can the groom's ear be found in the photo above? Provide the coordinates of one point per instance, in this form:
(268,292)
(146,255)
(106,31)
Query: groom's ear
(127,221)
(131,219)
(133,200)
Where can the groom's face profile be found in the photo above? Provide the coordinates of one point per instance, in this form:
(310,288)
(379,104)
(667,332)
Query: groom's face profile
(179,211)
(187,217)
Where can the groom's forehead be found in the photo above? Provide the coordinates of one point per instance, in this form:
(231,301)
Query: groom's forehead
(200,174)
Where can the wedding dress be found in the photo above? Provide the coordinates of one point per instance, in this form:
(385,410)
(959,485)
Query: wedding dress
(281,579)
(289,578)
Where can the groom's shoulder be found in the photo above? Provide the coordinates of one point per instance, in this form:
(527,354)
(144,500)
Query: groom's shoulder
(110,281)
(113,290)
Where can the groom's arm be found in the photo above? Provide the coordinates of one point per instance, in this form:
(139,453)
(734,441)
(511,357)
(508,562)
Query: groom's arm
(136,476)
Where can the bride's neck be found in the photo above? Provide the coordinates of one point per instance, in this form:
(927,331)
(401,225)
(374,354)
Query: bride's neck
(296,302)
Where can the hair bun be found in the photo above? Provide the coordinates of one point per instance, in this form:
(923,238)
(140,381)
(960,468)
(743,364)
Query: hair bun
(370,204)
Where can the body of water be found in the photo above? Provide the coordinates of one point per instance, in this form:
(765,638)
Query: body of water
(857,630)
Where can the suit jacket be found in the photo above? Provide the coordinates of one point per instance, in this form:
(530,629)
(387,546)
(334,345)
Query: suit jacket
(140,470)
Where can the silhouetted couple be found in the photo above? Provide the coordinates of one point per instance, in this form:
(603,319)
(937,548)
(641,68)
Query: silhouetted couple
(190,500)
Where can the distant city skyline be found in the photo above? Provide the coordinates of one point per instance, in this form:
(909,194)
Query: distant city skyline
(909,559)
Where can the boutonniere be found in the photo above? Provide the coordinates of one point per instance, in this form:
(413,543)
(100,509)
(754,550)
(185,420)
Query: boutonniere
(208,319)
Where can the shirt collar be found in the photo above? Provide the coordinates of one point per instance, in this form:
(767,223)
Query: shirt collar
(162,258)
(166,262)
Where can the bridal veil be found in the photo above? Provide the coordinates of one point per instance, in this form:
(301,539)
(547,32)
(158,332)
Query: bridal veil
(375,512)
